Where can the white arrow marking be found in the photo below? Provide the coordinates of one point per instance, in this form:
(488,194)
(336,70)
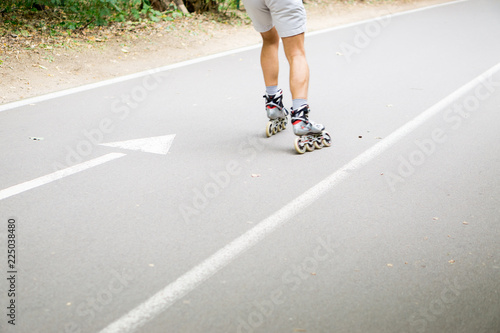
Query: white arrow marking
(155,145)
(26,186)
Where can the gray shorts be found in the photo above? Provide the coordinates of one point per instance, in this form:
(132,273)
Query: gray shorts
(288,16)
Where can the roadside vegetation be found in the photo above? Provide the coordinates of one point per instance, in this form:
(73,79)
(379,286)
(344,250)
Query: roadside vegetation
(47,24)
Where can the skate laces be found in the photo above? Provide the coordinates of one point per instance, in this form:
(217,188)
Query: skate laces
(276,100)
(301,114)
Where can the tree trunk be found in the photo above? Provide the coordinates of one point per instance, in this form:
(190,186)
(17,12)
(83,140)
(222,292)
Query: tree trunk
(162,5)
(181,6)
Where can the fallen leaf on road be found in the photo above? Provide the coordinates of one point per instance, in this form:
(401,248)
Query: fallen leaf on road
(464,222)
(435,218)
(451,261)
(255,175)
(389,265)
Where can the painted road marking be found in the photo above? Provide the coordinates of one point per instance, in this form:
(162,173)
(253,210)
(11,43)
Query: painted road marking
(391,15)
(26,186)
(197,275)
(155,145)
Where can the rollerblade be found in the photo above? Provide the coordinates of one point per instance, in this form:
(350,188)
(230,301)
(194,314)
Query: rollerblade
(311,135)
(276,112)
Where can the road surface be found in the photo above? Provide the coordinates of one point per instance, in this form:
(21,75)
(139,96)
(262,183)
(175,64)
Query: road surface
(206,225)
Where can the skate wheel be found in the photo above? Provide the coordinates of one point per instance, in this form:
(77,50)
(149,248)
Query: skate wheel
(300,147)
(310,146)
(269,129)
(280,127)
(318,144)
(275,129)
(327,139)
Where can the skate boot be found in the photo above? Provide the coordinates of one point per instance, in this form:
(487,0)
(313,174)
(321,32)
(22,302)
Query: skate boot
(276,112)
(310,135)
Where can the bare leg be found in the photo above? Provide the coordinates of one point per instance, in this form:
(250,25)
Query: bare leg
(269,57)
(299,69)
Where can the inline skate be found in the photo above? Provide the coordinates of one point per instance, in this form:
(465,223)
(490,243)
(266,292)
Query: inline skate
(276,112)
(310,135)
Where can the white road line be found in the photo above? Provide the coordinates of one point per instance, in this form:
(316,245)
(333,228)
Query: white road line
(26,186)
(193,278)
(119,79)
(391,15)
(104,83)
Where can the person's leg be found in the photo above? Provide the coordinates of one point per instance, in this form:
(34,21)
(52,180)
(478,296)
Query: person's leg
(299,85)
(299,69)
(276,112)
(269,57)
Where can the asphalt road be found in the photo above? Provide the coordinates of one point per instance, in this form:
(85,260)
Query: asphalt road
(395,228)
